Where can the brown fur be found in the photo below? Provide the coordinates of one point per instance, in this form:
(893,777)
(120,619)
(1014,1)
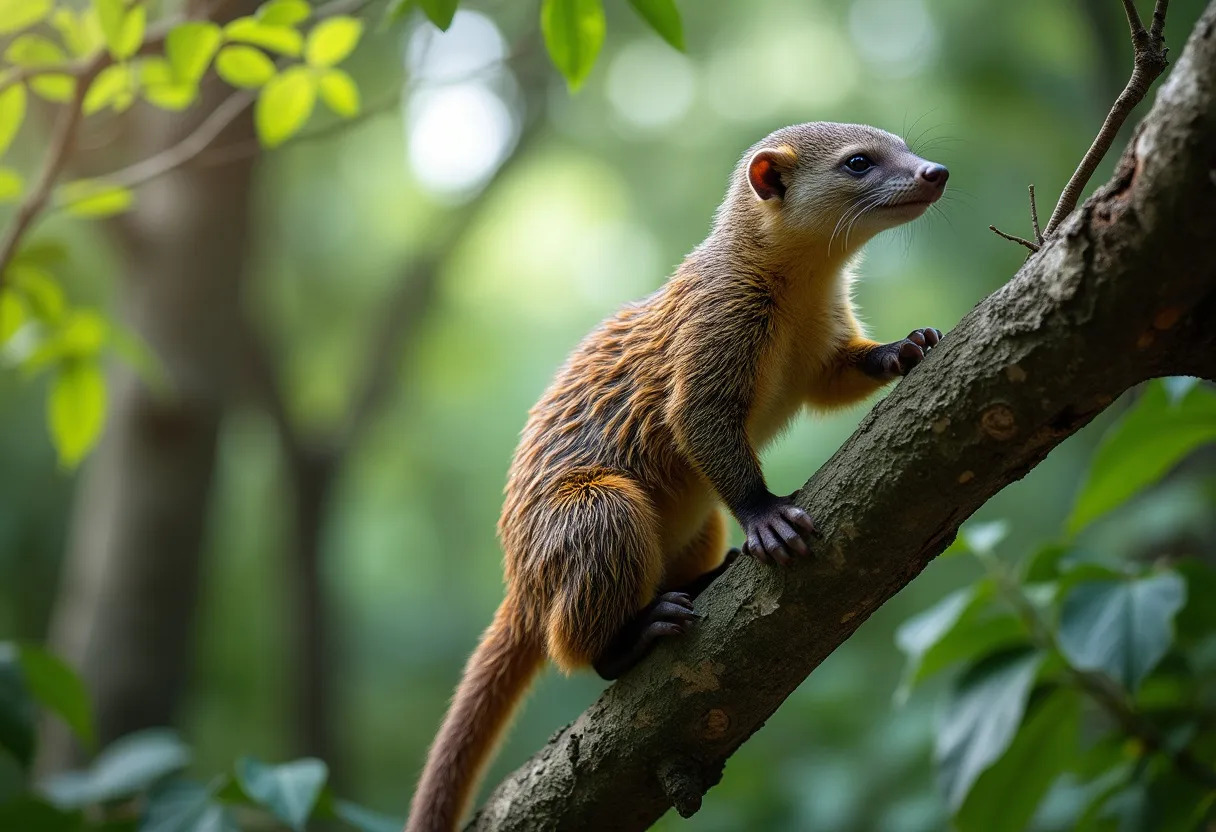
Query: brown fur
(655,419)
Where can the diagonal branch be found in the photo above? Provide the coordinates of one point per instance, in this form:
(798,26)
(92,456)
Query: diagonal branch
(1125,291)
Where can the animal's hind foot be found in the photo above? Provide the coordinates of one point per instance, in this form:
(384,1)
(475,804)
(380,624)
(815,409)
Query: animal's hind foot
(667,615)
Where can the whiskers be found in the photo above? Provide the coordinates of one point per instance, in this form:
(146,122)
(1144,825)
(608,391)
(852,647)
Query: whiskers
(853,213)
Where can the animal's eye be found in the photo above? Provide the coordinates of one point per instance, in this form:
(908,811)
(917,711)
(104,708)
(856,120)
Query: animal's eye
(858,164)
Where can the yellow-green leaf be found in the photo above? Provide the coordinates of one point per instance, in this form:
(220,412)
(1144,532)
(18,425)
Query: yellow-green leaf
(16,15)
(161,87)
(190,48)
(330,41)
(54,87)
(664,18)
(574,33)
(12,113)
(107,88)
(83,334)
(42,294)
(244,66)
(94,198)
(12,314)
(284,105)
(284,12)
(11,185)
(439,12)
(339,92)
(76,409)
(281,39)
(123,26)
(80,32)
(35,51)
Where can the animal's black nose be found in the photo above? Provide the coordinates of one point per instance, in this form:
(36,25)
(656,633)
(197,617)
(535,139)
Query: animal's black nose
(934,174)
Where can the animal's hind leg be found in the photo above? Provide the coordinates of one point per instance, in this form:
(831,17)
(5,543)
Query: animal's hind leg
(702,560)
(604,611)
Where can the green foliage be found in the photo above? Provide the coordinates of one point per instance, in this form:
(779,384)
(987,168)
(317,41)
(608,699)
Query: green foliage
(140,775)
(190,47)
(1064,636)
(285,104)
(244,66)
(331,41)
(16,15)
(95,198)
(664,18)
(122,25)
(12,113)
(574,33)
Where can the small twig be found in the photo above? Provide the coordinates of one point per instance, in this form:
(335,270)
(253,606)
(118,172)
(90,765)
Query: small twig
(1034,218)
(1149,56)
(62,140)
(1022,241)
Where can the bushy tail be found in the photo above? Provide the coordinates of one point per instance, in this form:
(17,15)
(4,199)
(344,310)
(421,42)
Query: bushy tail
(495,679)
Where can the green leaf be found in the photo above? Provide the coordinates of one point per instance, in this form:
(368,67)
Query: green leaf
(190,48)
(574,33)
(182,806)
(12,113)
(42,294)
(94,198)
(281,39)
(36,52)
(57,687)
(339,92)
(110,86)
(11,185)
(16,15)
(330,41)
(27,812)
(284,105)
(244,66)
(12,314)
(123,26)
(365,820)
(284,12)
(1005,797)
(396,11)
(161,86)
(126,767)
(439,12)
(664,18)
(289,791)
(981,719)
(1122,628)
(1146,442)
(77,30)
(76,410)
(17,711)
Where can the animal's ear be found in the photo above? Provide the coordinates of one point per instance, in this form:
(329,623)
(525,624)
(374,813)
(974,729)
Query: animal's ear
(767,169)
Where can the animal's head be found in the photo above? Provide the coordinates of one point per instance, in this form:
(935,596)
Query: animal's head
(839,184)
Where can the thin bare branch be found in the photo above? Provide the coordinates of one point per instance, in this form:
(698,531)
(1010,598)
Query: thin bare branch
(1149,61)
(1022,241)
(1034,218)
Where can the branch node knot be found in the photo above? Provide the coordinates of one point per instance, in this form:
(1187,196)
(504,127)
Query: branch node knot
(683,783)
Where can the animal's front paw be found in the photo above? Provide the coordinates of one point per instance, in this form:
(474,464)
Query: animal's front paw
(899,357)
(778,532)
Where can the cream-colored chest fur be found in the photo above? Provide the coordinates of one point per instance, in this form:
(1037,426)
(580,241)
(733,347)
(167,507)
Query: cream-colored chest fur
(813,321)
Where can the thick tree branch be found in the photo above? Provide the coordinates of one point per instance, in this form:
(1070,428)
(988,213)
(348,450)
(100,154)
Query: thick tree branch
(1125,290)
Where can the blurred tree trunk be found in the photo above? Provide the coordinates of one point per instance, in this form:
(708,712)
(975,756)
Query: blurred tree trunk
(125,611)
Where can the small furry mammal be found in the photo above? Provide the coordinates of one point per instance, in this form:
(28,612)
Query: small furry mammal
(611,523)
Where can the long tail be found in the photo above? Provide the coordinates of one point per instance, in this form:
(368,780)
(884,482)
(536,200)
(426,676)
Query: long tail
(495,679)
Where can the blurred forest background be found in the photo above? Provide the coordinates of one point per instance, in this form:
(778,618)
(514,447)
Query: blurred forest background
(296,553)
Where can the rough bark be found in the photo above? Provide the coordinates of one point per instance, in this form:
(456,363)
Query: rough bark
(124,615)
(1124,291)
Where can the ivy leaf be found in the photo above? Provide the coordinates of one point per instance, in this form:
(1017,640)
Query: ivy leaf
(190,48)
(16,15)
(57,687)
(1142,447)
(574,33)
(12,113)
(244,66)
(123,26)
(126,767)
(289,791)
(95,198)
(1005,797)
(439,12)
(339,92)
(283,40)
(1122,628)
(161,86)
(76,409)
(12,184)
(284,12)
(981,719)
(664,18)
(332,40)
(284,105)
